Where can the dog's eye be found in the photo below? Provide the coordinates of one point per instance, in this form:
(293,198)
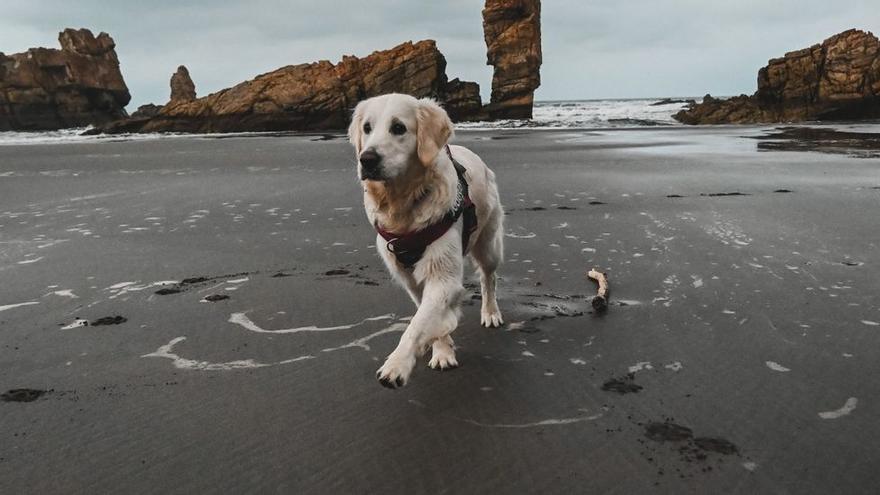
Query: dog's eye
(367,128)
(398,129)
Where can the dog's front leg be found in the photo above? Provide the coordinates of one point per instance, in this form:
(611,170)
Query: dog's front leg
(436,318)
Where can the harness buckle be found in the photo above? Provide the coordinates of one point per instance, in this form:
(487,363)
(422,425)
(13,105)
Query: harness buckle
(393,249)
(406,257)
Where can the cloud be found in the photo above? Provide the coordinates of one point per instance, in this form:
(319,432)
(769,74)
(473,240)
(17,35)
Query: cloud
(592,49)
(680,48)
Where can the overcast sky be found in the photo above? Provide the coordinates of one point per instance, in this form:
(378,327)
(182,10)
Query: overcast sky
(592,48)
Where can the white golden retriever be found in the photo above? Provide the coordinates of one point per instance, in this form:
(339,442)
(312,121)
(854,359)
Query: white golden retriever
(411,187)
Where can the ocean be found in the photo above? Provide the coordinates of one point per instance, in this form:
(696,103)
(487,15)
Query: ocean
(591,114)
(572,114)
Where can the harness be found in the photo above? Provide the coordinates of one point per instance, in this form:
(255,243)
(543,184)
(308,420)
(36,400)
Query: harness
(409,247)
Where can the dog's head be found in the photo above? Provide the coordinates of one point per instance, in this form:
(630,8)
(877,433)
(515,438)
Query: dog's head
(394,132)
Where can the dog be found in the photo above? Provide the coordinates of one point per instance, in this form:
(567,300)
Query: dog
(420,193)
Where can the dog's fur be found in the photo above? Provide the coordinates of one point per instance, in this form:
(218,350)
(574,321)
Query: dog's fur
(414,187)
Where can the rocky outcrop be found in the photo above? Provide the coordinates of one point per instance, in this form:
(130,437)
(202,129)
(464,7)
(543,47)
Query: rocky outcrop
(183,90)
(461,99)
(737,110)
(672,101)
(836,80)
(182,87)
(78,85)
(147,111)
(512,29)
(316,96)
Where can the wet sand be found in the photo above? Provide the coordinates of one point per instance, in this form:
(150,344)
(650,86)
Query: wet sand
(208,314)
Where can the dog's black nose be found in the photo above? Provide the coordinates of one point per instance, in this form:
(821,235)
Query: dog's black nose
(370,159)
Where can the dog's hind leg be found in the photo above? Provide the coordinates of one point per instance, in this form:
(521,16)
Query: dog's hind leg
(488,253)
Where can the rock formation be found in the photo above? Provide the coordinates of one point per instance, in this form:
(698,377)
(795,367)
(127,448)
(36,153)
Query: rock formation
(836,80)
(182,87)
(314,96)
(512,29)
(321,95)
(147,111)
(183,90)
(78,85)
(461,99)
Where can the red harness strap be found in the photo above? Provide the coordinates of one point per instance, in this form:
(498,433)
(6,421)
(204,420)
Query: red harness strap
(408,248)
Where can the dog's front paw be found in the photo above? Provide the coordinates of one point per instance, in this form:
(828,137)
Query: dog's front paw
(396,370)
(442,356)
(491,317)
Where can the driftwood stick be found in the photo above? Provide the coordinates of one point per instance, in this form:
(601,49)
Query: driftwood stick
(600,302)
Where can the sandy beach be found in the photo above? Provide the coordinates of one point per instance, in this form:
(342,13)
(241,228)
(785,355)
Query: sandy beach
(244,312)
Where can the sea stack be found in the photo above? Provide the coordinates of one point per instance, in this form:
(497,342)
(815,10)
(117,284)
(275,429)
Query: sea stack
(76,86)
(183,90)
(838,79)
(512,29)
(182,87)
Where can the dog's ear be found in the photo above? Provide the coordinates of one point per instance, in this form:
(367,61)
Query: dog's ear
(435,130)
(356,128)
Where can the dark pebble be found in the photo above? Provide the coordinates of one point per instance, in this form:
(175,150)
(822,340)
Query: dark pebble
(109,320)
(22,395)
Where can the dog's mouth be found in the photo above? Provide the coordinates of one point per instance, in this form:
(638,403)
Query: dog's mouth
(372,175)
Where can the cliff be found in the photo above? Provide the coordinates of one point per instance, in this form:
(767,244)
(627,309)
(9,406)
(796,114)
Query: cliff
(78,85)
(838,79)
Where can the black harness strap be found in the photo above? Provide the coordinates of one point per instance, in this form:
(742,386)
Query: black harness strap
(467,207)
